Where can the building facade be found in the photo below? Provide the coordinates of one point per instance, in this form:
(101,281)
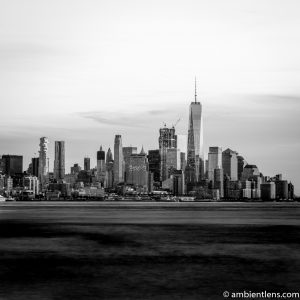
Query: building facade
(127,151)
(172,160)
(109,174)
(167,140)
(101,167)
(12,164)
(43,160)
(230,164)
(138,171)
(154,164)
(59,161)
(214,161)
(118,160)
(87,164)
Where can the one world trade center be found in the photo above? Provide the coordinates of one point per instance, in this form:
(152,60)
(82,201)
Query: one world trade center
(195,156)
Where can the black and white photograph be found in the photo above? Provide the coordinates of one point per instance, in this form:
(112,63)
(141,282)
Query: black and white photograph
(149,150)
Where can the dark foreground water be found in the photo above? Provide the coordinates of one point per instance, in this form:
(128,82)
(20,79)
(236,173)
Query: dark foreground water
(150,251)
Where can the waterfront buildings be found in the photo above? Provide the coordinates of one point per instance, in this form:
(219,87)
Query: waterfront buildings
(31,183)
(268,190)
(59,161)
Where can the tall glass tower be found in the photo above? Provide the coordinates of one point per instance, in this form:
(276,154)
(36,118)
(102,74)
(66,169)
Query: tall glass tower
(195,154)
(118,162)
(59,161)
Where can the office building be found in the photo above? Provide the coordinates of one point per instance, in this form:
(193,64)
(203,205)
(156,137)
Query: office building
(59,161)
(218,182)
(282,192)
(250,171)
(101,167)
(31,183)
(35,166)
(241,164)
(75,169)
(172,160)
(118,160)
(178,182)
(182,161)
(268,191)
(167,140)
(1,165)
(230,164)
(214,161)
(87,164)
(195,154)
(138,170)
(154,164)
(109,174)
(127,151)
(291,194)
(12,164)
(43,160)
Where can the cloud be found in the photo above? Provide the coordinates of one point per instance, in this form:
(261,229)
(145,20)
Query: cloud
(270,99)
(130,119)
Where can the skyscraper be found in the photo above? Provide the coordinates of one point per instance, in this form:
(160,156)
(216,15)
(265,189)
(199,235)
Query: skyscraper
(127,151)
(118,160)
(214,161)
(219,181)
(167,140)
(12,164)
(173,160)
(35,166)
(154,164)
(87,164)
(101,168)
(230,164)
(138,170)
(241,164)
(43,156)
(195,154)
(109,174)
(59,161)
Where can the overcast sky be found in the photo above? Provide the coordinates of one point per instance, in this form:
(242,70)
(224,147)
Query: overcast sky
(83,71)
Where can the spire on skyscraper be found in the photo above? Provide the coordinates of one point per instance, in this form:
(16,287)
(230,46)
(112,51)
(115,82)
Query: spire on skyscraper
(195,89)
(142,151)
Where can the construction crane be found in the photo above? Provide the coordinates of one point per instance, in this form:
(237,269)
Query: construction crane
(176,122)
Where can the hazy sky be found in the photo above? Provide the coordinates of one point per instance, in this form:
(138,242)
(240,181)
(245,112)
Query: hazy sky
(83,71)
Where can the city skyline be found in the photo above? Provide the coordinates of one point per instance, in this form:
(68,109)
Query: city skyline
(86,74)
